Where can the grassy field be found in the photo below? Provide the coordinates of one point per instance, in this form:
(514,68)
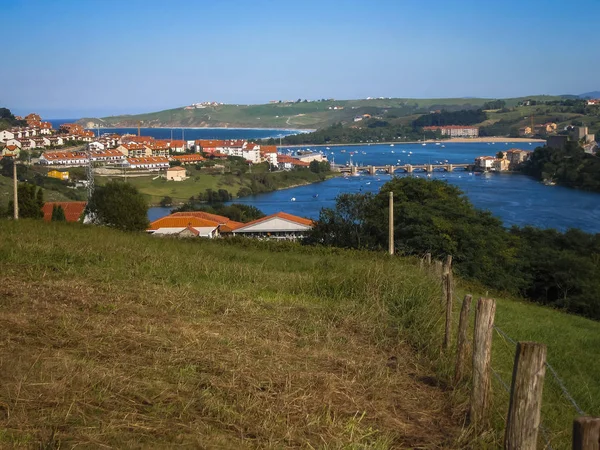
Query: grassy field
(122,340)
(199,181)
(312,114)
(113,339)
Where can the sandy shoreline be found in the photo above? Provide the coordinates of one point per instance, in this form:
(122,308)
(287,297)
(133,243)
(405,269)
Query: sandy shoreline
(430,141)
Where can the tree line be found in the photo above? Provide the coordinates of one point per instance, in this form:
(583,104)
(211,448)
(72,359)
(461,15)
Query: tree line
(545,266)
(571,166)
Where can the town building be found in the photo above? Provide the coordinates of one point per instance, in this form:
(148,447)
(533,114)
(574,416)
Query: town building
(286,162)
(64,158)
(74,211)
(188,159)
(59,175)
(516,157)
(269,153)
(455,130)
(485,162)
(153,163)
(176,173)
(279,226)
(184,226)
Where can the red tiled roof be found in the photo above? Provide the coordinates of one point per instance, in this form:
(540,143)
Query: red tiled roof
(209,143)
(188,158)
(73,210)
(291,160)
(268,149)
(202,215)
(181,221)
(177,168)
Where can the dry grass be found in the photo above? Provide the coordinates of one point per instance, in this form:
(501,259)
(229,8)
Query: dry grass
(134,342)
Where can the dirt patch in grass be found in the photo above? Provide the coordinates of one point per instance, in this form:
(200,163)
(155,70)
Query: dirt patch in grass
(102,365)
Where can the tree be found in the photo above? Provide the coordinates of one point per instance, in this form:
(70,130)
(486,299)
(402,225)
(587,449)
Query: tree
(119,205)
(166,201)
(31,201)
(314,166)
(58,214)
(500,155)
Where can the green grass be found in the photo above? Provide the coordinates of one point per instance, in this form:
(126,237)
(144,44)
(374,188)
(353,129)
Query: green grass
(128,340)
(294,115)
(122,340)
(200,181)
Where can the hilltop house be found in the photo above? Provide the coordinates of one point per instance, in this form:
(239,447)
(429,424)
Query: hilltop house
(176,173)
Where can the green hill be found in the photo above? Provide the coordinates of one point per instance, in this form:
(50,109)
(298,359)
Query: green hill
(310,115)
(125,340)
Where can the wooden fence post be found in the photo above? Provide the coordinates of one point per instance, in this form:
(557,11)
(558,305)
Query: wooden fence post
(586,433)
(523,421)
(482,352)
(447,280)
(428,258)
(448,264)
(462,344)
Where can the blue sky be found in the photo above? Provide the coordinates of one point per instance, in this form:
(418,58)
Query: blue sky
(69,58)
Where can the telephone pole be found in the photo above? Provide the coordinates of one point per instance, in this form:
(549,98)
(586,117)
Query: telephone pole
(391,224)
(16,194)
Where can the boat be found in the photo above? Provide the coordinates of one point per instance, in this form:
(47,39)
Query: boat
(368,182)
(293,199)
(549,183)
(392,151)
(342,151)
(391,145)
(437,143)
(327,148)
(443,146)
(315,195)
(423,144)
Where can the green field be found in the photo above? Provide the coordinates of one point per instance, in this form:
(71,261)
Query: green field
(313,114)
(155,188)
(116,339)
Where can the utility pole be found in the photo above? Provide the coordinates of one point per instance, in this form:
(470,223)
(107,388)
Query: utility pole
(16,194)
(391,224)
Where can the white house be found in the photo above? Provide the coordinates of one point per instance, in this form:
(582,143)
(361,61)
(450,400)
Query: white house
(96,145)
(281,226)
(64,158)
(485,162)
(184,226)
(13,141)
(5,135)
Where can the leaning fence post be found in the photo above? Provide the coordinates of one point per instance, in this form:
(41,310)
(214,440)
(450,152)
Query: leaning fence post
(482,352)
(462,344)
(586,433)
(523,421)
(428,258)
(447,282)
(448,264)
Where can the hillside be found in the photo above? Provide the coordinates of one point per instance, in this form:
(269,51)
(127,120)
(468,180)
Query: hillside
(120,340)
(310,115)
(123,340)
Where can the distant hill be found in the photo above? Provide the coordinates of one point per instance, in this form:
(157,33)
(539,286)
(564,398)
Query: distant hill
(593,94)
(299,114)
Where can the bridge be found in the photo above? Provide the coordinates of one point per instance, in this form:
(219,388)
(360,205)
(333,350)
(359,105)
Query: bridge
(407,168)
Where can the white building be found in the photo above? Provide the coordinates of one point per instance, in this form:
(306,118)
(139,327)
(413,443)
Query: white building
(280,226)
(149,163)
(5,135)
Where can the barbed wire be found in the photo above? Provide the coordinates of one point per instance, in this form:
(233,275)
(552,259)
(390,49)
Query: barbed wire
(564,390)
(553,372)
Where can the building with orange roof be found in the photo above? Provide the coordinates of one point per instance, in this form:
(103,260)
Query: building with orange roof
(184,226)
(286,162)
(127,138)
(73,210)
(176,173)
(280,226)
(269,153)
(11,151)
(134,150)
(148,163)
(64,158)
(226,225)
(188,159)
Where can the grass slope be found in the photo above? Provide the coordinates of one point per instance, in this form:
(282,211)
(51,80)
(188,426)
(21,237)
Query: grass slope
(293,115)
(129,340)
(121,340)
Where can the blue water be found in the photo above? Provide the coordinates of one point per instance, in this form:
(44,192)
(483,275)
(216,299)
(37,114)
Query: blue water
(516,199)
(193,133)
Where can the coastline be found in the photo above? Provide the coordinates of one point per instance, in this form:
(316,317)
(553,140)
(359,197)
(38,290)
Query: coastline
(301,130)
(429,141)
